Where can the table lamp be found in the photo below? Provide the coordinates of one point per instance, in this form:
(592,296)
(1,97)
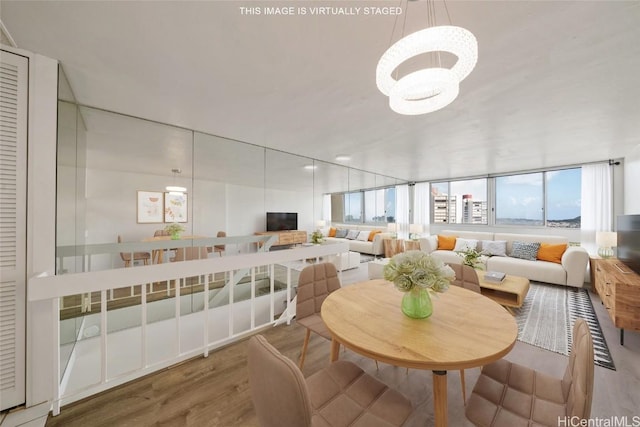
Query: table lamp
(605,241)
(415,230)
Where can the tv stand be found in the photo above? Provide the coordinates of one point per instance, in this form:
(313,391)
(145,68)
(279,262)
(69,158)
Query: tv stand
(619,291)
(286,238)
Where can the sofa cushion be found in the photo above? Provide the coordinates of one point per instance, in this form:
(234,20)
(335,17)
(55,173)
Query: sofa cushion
(551,253)
(332,232)
(446,243)
(352,234)
(541,271)
(341,233)
(525,250)
(464,244)
(363,236)
(494,247)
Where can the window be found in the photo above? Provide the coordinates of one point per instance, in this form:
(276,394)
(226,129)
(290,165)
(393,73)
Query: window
(353,207)
(460,202)
(550,198)
(374,206)
(564,191)
(519,199)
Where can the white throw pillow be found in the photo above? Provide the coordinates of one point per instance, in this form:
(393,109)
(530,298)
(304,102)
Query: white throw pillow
(352,234)
(494,247)
(464,244)
(363,236)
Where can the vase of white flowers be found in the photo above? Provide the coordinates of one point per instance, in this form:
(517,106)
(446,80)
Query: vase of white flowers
(417,273)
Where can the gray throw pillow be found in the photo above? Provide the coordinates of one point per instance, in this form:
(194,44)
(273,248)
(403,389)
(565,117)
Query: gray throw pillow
(352,234)
(341,232)
(494,247)
(524,250)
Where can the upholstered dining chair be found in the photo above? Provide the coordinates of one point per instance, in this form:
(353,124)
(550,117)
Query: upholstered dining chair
(466,277)
(190,253)
(137,256)
(341,394)
(220,248)
(315,283)
(508,394)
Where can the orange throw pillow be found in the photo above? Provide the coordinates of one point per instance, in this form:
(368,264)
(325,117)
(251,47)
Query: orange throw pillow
(332,232)
(373,234)
(552,253)
(446,243)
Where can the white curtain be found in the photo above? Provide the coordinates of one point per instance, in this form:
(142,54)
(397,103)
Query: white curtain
(422,205)
(326,208)
(596,201)
(402,211)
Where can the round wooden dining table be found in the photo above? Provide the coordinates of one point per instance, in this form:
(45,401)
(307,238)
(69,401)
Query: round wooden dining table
(466,330)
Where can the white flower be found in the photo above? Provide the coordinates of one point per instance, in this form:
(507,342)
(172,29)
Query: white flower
(417,269)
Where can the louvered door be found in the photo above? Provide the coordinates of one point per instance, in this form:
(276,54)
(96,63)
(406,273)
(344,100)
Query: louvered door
(13,180)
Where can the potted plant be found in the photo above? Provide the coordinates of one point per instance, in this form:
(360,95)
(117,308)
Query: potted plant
(174,230)
(317,237)
(472,258)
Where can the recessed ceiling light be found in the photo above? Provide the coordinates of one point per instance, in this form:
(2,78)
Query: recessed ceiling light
(343,158)
(310,167)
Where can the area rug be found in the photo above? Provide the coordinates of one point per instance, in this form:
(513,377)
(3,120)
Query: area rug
(547,316)
(366,258)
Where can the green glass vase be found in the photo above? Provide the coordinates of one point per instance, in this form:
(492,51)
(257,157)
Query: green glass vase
(417,303)
(175,236)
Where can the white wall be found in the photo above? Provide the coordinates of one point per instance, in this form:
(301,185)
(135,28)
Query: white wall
(632,179)
(213,206)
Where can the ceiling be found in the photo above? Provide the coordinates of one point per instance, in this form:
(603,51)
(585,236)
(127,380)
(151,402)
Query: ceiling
(556,81)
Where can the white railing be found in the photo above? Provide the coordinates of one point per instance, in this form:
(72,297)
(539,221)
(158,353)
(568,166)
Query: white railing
(107,354)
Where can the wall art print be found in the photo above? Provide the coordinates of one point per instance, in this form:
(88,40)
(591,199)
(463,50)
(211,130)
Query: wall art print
(150,207)
(175,207)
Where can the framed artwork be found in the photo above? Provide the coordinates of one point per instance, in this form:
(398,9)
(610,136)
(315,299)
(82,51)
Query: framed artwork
(149,207)
(175,207)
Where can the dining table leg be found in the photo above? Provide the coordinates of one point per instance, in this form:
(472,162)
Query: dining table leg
(440,398)
(335,350)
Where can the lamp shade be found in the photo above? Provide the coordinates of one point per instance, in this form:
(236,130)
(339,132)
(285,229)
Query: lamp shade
(416,228)
(321,223)
(606,239)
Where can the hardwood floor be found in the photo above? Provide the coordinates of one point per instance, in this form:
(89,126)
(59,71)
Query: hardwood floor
(214,391)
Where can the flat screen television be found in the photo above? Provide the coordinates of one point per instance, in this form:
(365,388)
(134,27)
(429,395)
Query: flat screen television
(282,221)
(629,241)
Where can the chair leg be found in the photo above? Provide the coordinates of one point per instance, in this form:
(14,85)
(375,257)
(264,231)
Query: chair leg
(464,390)
(303,354)
(127,264)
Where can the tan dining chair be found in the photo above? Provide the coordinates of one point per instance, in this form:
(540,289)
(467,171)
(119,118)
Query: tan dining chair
(315,283)
(218,248)
(508,394)
(137,256)
(466,277)
(190,253)
(341,394)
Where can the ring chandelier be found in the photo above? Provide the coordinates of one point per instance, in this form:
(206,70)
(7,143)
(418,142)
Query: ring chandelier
(430,89)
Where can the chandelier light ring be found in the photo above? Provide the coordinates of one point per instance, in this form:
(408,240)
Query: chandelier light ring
(424,91)
(446,38)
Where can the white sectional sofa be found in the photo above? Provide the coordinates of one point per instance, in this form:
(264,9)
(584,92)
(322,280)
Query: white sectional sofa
(375,247)
(570,271)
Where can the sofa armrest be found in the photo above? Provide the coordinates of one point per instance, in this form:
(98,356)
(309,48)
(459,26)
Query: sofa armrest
(574,261)
(429,244)
(378,245)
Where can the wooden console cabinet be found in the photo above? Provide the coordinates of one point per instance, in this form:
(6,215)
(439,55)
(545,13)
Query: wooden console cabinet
(286,238)
(619,289)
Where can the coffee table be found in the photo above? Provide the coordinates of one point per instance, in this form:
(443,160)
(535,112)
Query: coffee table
(510,293)
(465,330)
